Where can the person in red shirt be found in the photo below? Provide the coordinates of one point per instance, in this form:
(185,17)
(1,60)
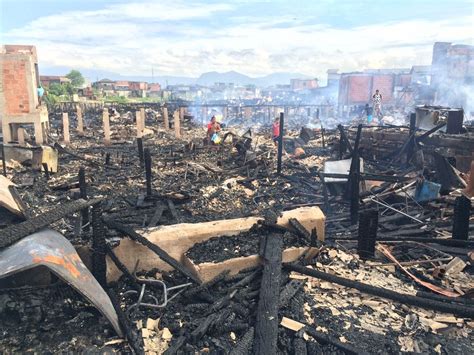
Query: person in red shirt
(276,130)
(213,127)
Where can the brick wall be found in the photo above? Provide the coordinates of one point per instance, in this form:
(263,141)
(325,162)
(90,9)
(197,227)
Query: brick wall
(18,72)
(359,89)
(15,87)
(385,85)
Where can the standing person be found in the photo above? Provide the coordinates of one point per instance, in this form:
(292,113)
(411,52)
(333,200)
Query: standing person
(377,100)
(40,92)
(368,111)
(276,130)
(213,129)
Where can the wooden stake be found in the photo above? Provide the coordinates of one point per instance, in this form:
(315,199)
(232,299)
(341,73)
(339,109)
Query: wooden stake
(106,126)
(177,124)
(138,117)
(143,120)
(66,128)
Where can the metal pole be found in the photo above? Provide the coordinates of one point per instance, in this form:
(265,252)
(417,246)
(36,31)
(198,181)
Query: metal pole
(280,142)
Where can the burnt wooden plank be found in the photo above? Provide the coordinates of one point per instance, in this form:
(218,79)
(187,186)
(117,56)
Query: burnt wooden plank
(266,328)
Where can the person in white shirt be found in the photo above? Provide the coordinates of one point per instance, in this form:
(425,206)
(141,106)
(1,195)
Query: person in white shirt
(377,101)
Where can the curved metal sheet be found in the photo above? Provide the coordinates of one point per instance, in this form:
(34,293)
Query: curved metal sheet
(51,249)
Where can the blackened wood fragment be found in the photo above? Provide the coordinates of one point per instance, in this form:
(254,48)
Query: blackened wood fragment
(266,328)
(244,346)
(157,215)
(98,246)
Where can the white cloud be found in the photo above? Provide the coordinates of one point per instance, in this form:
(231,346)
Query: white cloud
(176,38)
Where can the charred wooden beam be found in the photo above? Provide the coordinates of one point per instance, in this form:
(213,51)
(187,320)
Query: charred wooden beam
(127,328)
(4,163)
(15,232)
(461,311)
(462,212)
(280,143)
(411,137)
(354,179)
(148,171)
(266,328)
(368,223)
(99,265)
(425,135)
(46,170)
(153,247)
(83,195)
(140,149)
(344,142)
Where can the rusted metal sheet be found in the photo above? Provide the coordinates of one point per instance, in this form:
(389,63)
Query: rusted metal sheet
(51,249)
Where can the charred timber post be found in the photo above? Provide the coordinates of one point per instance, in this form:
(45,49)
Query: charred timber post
(322,137)
(107,159)
(354,179)
(368,223)
(98,246)
(280,143)
(4,163)
(411,143)
(46,170)
(462,211)
(148,171)
(140,149)
(83,195)
(347,144)
(459,310)
(266,326)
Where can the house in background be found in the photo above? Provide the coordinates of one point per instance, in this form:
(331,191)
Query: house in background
(47,80)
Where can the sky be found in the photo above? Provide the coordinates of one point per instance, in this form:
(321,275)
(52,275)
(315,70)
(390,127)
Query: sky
(256,38)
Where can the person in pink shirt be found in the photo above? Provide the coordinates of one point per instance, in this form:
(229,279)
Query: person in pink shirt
(276,130)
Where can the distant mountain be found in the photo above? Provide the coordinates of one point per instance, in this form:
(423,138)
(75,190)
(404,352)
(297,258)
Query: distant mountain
(205,79)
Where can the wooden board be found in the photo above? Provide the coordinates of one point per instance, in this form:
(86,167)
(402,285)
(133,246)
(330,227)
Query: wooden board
(177,239)
(207,271)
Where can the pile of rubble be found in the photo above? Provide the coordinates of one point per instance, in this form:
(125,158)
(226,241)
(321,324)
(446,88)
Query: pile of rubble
(361,244)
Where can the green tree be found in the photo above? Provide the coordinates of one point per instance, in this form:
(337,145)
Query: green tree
(56,89)
(76,78)
(69,88)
